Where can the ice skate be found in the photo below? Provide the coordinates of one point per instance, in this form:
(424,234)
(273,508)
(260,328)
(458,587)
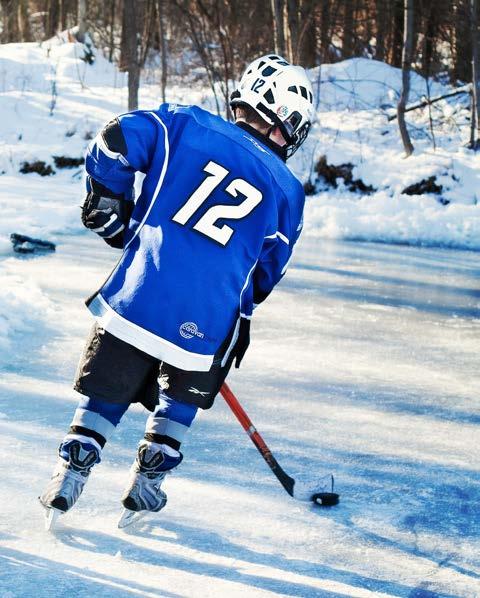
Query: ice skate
(143,493)
(76,459)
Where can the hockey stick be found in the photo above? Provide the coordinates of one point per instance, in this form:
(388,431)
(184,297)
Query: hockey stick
(292,486)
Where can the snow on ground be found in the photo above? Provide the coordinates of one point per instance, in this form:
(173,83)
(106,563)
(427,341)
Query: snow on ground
(364,364)
(356,97)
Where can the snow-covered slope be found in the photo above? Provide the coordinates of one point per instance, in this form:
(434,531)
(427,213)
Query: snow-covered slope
(356,98)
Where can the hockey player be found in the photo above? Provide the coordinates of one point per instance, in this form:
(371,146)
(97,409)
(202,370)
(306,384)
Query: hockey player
(207,240)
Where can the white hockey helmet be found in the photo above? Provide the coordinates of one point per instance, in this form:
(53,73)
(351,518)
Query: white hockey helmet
(281,94)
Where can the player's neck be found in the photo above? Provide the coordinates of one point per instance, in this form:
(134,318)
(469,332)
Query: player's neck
(280,151)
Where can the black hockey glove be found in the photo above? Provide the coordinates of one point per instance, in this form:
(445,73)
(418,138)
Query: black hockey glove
(106,213)
(243,341)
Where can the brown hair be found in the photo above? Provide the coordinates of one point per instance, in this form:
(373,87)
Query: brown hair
(251,117)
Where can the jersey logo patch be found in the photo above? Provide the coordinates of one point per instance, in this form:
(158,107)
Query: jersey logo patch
(189,330)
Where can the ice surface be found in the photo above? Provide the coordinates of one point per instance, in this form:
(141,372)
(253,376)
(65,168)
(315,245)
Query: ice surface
(364,363)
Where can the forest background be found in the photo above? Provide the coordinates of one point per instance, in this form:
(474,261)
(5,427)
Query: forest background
(436,38)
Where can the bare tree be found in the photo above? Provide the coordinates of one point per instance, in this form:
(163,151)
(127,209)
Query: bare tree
(398,33)
(82,20)
(460,40)
(278,8)
(52,18)
(292,29)
(475,129)
(325,21)
(209,27)
(381,26)
(9,13)
(407,54)
(130,51)
(160,6)
(348,28)
(111,36)
(24,22)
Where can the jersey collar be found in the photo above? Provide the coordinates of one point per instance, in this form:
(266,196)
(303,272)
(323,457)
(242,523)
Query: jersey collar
(280,151)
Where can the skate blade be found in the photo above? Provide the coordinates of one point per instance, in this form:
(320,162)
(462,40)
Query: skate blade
(51,516)
(129,518)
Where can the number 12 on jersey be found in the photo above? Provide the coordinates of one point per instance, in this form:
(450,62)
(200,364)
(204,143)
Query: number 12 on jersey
(206,224)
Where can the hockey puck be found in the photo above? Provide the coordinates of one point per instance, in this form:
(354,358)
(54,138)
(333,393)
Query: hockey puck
(326,499)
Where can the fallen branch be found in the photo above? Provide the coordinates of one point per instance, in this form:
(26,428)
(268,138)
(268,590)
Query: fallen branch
(429,102)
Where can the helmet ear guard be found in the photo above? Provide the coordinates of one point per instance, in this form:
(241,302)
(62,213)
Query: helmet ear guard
(294,138)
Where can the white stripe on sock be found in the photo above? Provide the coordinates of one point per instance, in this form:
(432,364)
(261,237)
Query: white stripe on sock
(166,427)
(92,421)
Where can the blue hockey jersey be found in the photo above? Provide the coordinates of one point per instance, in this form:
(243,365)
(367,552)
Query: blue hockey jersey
(210,235)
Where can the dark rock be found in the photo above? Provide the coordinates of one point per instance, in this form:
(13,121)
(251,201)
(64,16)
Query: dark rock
(331,172)
(309,188)
(66,162)
(25,244)
(424,186)
(39,167)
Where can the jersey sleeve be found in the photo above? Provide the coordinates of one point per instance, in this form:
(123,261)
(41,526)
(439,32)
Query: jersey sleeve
(277,250)
(124,146)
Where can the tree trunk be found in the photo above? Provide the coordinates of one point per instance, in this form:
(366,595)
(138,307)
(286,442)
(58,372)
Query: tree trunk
(163,46)
(398,35)
(24,21)
(461,44)
(380,25)
(308,42)
(324,31)
(293,32)
(111,38)
(130,50)
(278,30)
(475,73)
(82,16)
(10,31)
(348,29)
(406,65)
(53,14)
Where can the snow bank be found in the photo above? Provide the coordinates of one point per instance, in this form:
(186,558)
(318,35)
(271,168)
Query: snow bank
(360,83)
(355,99)
(24,308)
(399,219)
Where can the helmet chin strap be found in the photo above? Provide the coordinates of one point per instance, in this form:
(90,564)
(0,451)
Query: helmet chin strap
(277,123)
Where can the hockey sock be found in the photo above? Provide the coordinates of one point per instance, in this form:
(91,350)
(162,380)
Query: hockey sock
(169,423)
(94,421)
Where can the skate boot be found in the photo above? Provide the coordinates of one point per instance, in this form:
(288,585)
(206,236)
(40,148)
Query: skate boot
(76,459)
(143,493)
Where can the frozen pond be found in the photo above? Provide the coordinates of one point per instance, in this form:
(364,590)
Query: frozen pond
(364,363)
